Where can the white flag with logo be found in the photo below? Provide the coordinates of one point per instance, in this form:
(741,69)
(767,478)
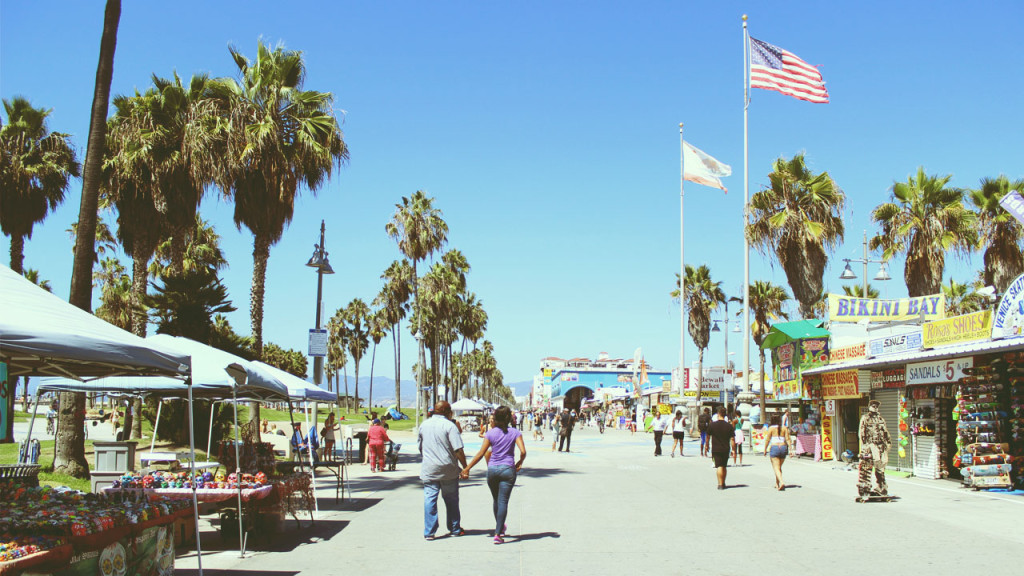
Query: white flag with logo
(701,168)
(1014,204)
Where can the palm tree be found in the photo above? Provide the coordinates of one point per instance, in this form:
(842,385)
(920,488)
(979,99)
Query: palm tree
(337,346)
(115,287)
(105,240)
(419,230)
(925,219)
(278,137)
(357,319)
(799,218)
(201,252)
(393,304)
(377,331)
(184,304)
(857,291)
(69,453)
(701,295)
(32,275)
(36,169)
(961,298)
(766,302)
(999,231)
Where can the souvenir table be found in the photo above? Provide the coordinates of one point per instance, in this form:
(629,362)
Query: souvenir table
(62,531)
(205,495)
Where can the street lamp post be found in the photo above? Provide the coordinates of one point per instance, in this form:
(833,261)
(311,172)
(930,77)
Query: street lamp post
(849,274)
(323,266)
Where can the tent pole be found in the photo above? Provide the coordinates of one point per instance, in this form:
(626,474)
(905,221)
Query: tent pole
(28,438)
(209,435)
(238,475)
(192,473)
(156,426)
(312,464)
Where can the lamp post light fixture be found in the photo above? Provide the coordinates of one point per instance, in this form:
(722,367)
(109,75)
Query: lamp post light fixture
(323,266)
(849,274)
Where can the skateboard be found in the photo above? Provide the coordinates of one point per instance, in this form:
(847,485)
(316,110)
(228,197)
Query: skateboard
(875,497)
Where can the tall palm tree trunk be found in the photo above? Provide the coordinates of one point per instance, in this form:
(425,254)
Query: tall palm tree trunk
(70,441)
(17,253)
(260,255)
(700,380)
(356,399)
(348,399)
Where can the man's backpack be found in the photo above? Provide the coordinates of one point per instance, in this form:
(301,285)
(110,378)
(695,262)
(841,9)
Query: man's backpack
(703,422)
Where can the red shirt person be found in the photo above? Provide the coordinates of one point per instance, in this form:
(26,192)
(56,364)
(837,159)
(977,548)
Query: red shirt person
(376,436)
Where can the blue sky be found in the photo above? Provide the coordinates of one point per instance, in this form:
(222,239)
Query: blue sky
(548,134)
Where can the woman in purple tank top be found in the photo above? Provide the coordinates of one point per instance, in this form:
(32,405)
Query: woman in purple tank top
(502,468)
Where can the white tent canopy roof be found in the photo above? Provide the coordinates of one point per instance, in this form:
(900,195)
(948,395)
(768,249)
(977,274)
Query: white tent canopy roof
(42,335)
(298,389)
(210,376)
(465,405)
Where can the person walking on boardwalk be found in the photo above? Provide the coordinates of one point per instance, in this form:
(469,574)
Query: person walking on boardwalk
(502,440)
(874,452)
(737,423)
(703,421)
(443,460)
(658,425)
(776,446)
(721,437)
(565,435)
(376,437)
(679,424)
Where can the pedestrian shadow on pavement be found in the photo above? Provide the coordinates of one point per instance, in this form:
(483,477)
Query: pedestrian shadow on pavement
(534,536)
(544,472)
(235,571)
(348,505)
(731,486)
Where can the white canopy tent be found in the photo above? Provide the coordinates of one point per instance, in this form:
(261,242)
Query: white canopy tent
(467,405)
(42,335)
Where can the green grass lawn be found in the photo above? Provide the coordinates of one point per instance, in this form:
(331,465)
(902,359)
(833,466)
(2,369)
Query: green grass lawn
(349,417)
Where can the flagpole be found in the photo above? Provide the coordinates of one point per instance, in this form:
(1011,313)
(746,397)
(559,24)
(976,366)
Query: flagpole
(682,275)
(746,215)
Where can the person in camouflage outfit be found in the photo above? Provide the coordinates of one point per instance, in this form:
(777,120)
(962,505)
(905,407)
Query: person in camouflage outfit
(874,451)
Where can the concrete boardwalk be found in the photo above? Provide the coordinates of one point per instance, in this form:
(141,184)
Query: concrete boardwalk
(611,507)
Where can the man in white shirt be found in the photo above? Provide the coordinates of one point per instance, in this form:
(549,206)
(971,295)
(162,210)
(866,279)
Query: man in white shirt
(658,424)
(443,460)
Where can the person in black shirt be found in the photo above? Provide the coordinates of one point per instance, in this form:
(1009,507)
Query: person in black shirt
(722,439)
(702,426)
(565,434)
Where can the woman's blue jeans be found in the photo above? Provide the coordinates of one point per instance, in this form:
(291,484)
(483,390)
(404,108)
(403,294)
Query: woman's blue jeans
(501,480)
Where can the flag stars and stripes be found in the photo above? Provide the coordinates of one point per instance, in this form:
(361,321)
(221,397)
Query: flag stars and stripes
(772,68)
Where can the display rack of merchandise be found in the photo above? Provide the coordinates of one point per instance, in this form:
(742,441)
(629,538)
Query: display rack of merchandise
(981,427)
(1016,413)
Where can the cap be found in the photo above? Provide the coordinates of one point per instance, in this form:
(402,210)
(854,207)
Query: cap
(874,404)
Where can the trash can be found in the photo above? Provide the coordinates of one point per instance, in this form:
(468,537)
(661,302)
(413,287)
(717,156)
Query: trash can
(114,456)
(361,436)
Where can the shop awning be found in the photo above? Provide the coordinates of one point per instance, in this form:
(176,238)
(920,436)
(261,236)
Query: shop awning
(785,332)
(987,347)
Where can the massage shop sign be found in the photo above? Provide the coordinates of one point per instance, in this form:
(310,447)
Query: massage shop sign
(946,371)
(840,384)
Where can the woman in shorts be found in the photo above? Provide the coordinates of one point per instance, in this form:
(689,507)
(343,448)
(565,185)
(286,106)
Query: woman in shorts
(776,446)
(737,425)
(678,433)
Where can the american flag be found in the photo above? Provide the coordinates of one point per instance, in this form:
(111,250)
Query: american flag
(773,68)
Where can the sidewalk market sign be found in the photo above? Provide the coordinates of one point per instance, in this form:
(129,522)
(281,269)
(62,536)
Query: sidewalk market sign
(946,371)
(851,309)
(841,384)
(715,381)
(895,344)
(1008,321)
(958,329)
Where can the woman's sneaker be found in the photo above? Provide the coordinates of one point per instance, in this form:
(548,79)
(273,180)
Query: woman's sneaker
(499,540)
